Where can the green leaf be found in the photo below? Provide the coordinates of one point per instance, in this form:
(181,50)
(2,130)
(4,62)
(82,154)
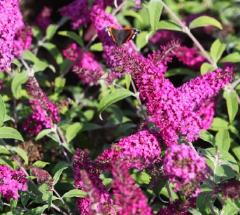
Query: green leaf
(37,211)
(22,153)
(217,50)
(232,104)
(17,82)
(142,177)
(54,51)
(168,25)
(134,14)
(43,133)
(72,131)
(112,97)
(75,193)
(222,140)
(219,123)
(206,136)
(38,65)
(58,174)
(204,200)
(231,58)
(154,8)
(236,150)
(73,36)
(194,211)
(205,21)
(4,150)
(142,39)
(59,84)
(51,31)
(10,133)
(43,193)
(2,111)
(206,67)
(40,164)
(97,47)
(230,208)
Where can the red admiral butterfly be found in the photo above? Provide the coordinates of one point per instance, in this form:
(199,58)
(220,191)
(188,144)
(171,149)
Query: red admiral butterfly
(121,36)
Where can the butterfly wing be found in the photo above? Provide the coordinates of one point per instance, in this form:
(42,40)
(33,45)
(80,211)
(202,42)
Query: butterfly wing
(121,36)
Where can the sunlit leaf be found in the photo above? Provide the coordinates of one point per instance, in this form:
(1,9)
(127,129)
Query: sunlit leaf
(112,97)
(2,111)
(18,80)
(10,133)
(154,8)
(75,193)
(205,21)
(232,103)
(217,50)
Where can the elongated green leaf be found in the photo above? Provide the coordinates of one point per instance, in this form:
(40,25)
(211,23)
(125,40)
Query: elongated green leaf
(54,51)
(232,104)
(73,130)
(40,164)
(134,14)
(72,35)
(231,58)
(219,123)
(37,211)
(112,97)
(58,174)
(206,67)
(38,65)
(168,25)
(205,21)
(154,8)
(51,31)
(142,39)
(2,111)
(10,133)
(222,140)
(236,150)
(230,208)
(22,153)
(43,133)
(75,193)
(217,50)
(4,150)
(17,82)
(208,137)
(97,47)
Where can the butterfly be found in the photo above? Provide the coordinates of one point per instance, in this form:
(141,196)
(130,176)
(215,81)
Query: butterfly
(121,36)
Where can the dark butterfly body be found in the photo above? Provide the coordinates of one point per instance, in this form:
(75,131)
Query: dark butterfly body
(121,36)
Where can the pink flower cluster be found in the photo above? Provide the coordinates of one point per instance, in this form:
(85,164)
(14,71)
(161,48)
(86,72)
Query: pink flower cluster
(139,151)
(128,197)
(88,70)
(43,19)
(11,182)
(77,11)
(178,208)
(190,57)
(44,112)
(9,24)
(162,37)
(15,36)
(22,41)
(86,175)
(185,168)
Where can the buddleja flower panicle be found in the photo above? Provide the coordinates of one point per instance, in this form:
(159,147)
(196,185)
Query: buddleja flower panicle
(11,182)
(185,168)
